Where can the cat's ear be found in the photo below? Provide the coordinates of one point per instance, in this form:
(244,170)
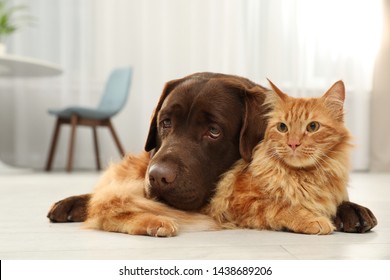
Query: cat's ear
(334,98)
(278,92)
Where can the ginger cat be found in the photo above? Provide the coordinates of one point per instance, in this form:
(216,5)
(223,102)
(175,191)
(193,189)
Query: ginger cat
(299,172)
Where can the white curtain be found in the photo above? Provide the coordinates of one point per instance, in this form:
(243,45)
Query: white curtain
(303,46)
(380,100)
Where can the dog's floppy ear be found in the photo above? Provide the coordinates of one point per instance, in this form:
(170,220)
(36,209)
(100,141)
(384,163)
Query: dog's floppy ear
(151,141)
(254,120)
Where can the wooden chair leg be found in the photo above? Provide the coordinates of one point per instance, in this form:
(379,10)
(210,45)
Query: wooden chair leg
(116,139)
(73,122)
(96,145)
(53,145)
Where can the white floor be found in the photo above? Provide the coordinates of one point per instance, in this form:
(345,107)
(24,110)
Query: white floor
(25,232)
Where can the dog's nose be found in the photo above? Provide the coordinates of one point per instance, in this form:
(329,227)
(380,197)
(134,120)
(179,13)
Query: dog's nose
(162,174)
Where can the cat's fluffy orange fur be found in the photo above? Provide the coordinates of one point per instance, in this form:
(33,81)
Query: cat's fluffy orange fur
(299,172)
(119,204)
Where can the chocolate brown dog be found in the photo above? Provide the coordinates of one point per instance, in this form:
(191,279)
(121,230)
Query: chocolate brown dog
(202,124)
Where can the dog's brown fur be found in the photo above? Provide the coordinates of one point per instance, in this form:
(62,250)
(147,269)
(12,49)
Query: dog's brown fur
(203,123)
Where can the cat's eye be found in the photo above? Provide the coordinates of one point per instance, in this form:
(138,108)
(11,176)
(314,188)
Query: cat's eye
(282,127)
(313,127)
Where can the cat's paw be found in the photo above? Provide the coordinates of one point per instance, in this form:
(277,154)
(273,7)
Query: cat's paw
(162,227)
(321,225)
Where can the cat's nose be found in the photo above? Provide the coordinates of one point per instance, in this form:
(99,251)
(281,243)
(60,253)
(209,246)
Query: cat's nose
(293,144)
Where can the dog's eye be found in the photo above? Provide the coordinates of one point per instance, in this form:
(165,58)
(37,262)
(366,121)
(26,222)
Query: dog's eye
(214,132)
(167,123)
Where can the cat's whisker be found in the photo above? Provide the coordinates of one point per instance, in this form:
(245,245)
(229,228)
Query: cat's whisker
(324,157)
(317,163)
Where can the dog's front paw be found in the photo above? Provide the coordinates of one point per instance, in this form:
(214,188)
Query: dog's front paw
(352,217)
(162,227)
(71,209)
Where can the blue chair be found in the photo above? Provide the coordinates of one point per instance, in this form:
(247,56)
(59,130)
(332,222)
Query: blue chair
(113,100)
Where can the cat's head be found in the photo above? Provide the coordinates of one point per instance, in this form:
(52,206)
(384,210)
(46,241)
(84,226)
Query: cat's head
(305,132)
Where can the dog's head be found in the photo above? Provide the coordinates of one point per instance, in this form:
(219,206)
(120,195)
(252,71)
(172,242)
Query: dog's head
(203,123)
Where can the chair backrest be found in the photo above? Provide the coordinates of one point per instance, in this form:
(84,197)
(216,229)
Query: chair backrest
(116,91)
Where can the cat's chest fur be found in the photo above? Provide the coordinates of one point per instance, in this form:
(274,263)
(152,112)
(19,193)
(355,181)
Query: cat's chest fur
(314,188)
